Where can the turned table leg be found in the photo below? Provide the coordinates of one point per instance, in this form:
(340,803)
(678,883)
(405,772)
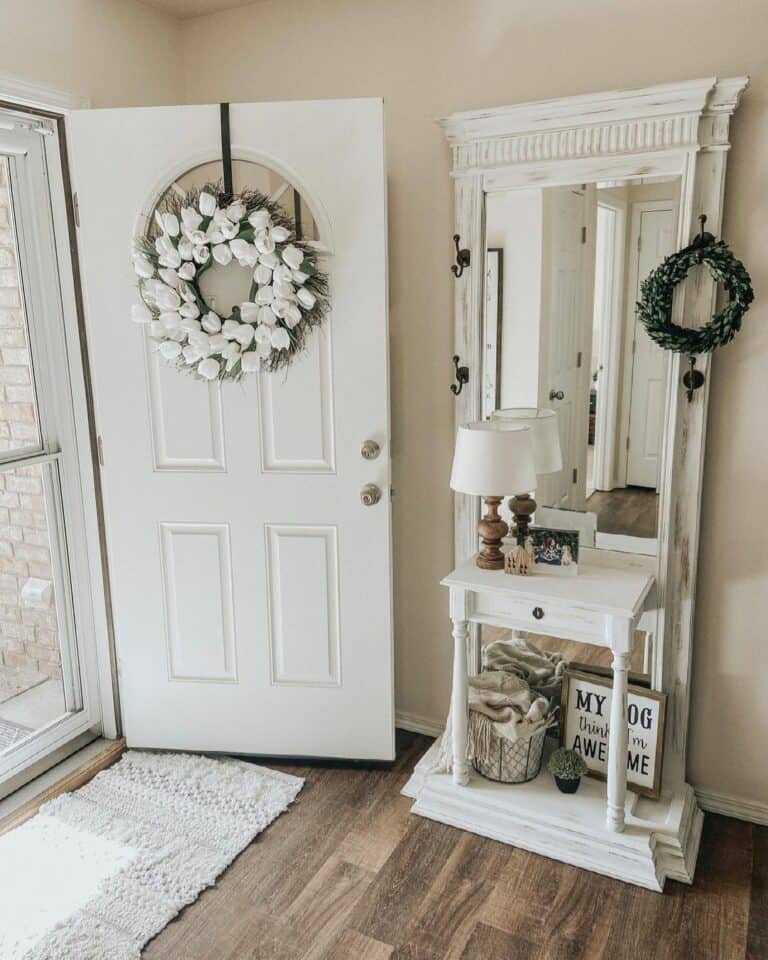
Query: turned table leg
(618,734)
(459,703)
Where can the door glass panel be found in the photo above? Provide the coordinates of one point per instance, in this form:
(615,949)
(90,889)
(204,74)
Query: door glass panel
(224,287)
(19,425)
(247,175)
(36,667)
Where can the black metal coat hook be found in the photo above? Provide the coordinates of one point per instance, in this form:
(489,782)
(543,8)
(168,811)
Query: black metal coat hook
(693,379)
(462,258)
(462,377)
(702,238)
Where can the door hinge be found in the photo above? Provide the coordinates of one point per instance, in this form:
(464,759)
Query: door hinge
(634,345)
(100,450)
(583,234)
(578,360)
(627,441)
(575,474)
(76,209)
(639,242)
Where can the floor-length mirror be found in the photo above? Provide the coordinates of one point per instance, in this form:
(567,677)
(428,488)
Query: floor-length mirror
(563,268)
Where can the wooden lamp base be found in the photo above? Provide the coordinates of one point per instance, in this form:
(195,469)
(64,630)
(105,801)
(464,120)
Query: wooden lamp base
(492,530)
(522,506)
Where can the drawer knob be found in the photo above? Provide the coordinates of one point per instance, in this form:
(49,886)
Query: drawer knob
(538,613)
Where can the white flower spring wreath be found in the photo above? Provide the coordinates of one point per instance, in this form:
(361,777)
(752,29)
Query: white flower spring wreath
(288,296)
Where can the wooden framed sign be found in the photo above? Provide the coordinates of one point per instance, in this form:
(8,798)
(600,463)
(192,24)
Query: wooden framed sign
(585,719)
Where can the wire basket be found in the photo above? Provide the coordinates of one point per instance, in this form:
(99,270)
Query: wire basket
(511,761)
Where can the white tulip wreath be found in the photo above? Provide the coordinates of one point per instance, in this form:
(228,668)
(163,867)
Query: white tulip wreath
(288,296)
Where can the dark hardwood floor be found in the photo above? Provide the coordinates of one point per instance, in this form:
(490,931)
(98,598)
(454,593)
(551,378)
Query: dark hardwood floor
(349,874)
(628,510)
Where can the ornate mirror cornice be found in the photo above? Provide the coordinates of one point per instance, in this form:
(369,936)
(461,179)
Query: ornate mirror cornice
(683,116)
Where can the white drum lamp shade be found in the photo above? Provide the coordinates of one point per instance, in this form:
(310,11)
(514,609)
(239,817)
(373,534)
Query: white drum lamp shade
(492,458)
(489,458)
(546,436)
(546,452)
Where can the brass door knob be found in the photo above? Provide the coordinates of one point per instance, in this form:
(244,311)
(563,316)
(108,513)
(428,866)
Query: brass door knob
(370,495)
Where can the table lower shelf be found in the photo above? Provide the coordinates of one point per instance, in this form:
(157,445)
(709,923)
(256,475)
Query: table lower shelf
(660,840)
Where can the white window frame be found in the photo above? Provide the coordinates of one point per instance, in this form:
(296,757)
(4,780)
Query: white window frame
(72,441)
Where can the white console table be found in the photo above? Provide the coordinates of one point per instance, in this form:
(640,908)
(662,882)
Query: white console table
(601,827)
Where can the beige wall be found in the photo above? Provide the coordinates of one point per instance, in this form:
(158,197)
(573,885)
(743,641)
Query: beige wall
(428,58)
(115,52)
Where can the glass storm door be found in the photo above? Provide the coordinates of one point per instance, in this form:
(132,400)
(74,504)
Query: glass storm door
(47,700)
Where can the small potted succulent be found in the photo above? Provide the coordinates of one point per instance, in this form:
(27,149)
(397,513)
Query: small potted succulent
(567,767)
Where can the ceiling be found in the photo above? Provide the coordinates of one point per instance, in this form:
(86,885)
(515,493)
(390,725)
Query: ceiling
(184,9)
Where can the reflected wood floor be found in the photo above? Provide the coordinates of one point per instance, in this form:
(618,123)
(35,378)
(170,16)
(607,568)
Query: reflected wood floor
(628,510)
(349,874)
(572,651)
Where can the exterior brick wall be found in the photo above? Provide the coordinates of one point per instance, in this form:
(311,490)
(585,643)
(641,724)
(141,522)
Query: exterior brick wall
(28,637)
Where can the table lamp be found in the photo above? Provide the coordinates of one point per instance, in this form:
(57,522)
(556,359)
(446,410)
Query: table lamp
(546,455)
(491,457)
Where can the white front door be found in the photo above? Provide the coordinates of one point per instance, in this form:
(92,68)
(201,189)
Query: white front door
(251,587)
(653,234)
(566,318)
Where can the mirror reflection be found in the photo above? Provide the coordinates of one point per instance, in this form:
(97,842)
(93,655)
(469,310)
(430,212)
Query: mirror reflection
(563,268)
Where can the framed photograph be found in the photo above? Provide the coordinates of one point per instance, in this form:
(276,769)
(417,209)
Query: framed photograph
(585,714)
(555,551)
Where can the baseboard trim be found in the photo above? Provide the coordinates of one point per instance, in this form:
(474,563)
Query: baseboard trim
(753,811)
(414,723)
(739,808)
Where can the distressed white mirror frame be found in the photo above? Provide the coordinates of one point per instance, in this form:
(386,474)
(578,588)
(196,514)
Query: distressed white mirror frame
(676,129)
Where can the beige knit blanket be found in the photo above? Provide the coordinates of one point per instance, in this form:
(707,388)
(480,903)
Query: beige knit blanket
(504,704)
(542,670)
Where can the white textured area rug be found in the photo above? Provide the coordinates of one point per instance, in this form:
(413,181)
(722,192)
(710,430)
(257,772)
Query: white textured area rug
(97,873)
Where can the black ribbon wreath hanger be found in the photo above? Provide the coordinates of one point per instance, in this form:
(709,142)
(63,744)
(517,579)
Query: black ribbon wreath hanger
(226,147)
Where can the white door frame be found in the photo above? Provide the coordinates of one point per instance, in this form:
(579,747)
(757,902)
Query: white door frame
(46,108)
(609,359)
(635,214)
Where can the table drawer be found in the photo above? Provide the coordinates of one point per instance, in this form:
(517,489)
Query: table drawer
(537,616)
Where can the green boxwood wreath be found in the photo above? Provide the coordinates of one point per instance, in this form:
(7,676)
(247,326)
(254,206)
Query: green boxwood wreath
(657,291)
(288,294)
